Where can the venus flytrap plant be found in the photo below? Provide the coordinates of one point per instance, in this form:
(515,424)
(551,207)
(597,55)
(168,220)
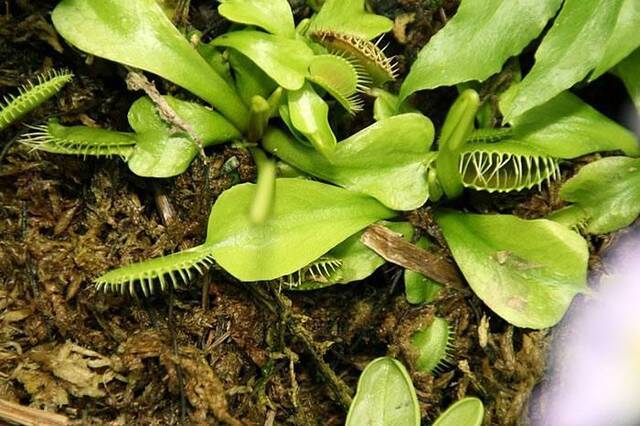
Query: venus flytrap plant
(322,215)
(154,149)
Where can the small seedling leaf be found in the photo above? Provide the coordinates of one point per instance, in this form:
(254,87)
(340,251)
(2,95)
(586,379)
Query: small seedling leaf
(385,396)
(465,412)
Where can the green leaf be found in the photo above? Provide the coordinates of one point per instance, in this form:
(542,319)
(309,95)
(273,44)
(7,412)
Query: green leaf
(284,60)
(307,220)
(465,412)
(250,80)
(387,160)
(309,115)
(608,190)
(624,38)
(161,153)
(385,396)
(475,43)
(139,34)
(629,72)
(350,17)
(529,280)
(356,260)
(210,126)
(573,47)
(272,15)
(418,288)
(566,127)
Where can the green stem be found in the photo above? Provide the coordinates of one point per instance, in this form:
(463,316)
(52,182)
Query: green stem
(258,118)
(456,130)
(265,186)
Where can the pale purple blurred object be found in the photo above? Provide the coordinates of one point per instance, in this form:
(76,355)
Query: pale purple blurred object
(594,376)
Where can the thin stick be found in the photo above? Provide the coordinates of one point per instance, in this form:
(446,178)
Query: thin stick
(137,81)
(27,416)
(395,249)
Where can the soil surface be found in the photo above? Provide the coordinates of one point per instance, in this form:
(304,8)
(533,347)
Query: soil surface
(217,351)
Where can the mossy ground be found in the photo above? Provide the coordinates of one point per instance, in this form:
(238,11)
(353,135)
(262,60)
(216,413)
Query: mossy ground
(225,351)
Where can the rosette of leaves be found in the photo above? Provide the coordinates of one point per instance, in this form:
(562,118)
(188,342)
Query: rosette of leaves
(342,63)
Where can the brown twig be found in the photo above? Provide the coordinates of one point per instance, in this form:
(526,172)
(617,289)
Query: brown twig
(395,249)
(16,413)
(164,206)
(138,81)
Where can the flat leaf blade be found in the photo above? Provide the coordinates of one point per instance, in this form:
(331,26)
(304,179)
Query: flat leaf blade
(477,41)
(467,411)
(385,396)
(284,60)
(272,15)
(530,280)
(624,38)
(571,49)
(629,72)
(307,220)
(567,127)
(350,17)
